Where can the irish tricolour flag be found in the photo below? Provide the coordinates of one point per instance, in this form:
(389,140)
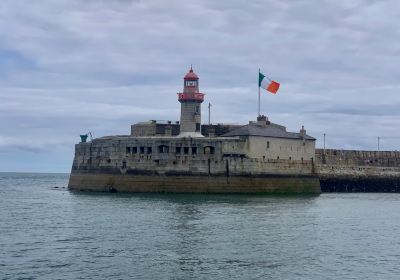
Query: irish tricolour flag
(268,84)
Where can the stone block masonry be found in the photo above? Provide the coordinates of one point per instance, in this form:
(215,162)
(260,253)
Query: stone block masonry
(361,171)
(358,158)
(220,165)
(162,164)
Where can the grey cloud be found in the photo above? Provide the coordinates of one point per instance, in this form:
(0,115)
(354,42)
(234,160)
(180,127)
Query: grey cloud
(70,66)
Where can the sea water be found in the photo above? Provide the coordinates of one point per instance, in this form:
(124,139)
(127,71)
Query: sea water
(48,232)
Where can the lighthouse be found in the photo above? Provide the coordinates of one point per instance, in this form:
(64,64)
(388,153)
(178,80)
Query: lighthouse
(190,100)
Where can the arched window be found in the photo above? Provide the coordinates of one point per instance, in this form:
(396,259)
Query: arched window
(209,150)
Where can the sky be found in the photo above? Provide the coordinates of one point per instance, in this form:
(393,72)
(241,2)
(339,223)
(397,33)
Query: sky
(68,67)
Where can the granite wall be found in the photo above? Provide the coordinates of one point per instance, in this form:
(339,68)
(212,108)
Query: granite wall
(365,171)
(190,165)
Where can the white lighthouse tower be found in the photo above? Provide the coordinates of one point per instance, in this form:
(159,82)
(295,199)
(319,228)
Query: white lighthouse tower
(190,99)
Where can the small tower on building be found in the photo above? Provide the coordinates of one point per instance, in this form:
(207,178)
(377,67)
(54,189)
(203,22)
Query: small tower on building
(190,99)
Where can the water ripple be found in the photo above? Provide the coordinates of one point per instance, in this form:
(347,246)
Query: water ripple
(48,232)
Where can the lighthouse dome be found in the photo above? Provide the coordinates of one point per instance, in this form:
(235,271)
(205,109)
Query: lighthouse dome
(191,75)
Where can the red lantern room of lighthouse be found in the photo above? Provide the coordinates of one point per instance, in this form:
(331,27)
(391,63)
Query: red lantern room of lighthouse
(190,99)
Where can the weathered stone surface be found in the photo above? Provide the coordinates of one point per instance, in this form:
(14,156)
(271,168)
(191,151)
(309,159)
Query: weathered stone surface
(194,183)
(361,171)
(343,171)
(357,158)
(153,164)
(360,184)
(227,165)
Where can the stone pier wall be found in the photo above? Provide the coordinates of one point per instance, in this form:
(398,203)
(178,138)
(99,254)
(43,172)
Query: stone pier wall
(357,158)
(207,166)
(366,171)
(192,165)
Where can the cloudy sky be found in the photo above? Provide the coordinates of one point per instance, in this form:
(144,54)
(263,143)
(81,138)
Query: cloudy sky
(72,66)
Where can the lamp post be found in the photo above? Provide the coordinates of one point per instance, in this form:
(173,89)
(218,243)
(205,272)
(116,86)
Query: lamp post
(379,143)
(209,113)
(379,148)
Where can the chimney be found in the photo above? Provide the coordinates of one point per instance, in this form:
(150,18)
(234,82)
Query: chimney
(262,120)
(302,131)
(211,131)
(168,130)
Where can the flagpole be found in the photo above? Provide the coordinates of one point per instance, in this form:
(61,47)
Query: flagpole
(258,92)
(209,113)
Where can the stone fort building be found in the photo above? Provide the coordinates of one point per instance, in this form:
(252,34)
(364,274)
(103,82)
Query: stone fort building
(186,156)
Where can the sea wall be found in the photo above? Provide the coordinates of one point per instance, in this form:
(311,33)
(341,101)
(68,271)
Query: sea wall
(207,165)
(365,171)
(202,165)
(185,183)
(195,156)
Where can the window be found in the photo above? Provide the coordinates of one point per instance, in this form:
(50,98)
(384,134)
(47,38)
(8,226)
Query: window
(191,83)
(267,144)
(128,150)
(178,150)
(142,150)
(194,150)
(163,149)
(186,150)
(209,150)
(134,150)
(197,127)
(149,150)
